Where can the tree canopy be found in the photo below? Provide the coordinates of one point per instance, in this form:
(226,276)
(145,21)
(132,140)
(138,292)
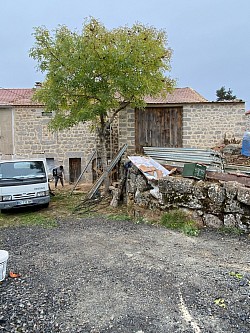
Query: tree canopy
(94,74)
(225,95)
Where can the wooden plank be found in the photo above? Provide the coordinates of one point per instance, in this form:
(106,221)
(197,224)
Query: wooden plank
(167,127)
(180,128)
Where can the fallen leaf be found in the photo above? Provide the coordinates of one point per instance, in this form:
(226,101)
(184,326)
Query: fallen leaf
(14,275)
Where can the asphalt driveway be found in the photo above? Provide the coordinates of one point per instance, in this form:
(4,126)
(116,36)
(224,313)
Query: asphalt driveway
(96,275)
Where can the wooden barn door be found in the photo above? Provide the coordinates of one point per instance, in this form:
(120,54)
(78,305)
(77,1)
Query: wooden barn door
(158,127)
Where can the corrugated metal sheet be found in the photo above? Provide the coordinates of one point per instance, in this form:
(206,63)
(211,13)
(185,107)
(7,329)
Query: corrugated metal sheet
(180,156)
(237,168)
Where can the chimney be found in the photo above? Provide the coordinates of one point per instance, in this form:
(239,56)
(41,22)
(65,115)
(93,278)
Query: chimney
(38,85)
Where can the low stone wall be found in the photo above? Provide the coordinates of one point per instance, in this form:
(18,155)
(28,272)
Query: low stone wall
(214,204)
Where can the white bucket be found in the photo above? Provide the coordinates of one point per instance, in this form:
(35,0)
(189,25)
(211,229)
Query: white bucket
(4,255)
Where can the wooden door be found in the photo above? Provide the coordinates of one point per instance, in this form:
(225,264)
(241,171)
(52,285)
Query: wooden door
(74,169)
(158,127)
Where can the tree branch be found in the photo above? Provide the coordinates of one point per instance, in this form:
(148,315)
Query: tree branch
(111,119)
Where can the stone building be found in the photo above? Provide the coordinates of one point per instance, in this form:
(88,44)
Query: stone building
(181,119)
(25,134)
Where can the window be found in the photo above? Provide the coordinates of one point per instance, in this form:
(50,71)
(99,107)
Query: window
(47,114)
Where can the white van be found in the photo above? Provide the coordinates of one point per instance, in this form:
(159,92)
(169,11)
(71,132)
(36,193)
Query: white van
(23,183)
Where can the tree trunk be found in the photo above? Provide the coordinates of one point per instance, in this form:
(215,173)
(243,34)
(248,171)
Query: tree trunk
(104,159)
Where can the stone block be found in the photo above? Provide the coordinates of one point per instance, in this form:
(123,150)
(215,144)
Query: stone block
(233,206)
(216,193)
(230,221)
(176,185)
(244,195)
(231,189)
(213,221)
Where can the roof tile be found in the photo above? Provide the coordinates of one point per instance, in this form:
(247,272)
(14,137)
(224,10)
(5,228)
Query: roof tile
(16,97)
(179,95)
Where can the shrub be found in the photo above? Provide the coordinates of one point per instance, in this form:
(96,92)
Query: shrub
(178,220)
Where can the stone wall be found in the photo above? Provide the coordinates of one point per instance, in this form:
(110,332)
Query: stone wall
(214,204)
(126,125)
(33,139)
(205,125)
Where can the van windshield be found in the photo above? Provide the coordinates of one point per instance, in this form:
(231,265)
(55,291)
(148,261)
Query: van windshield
(22,171)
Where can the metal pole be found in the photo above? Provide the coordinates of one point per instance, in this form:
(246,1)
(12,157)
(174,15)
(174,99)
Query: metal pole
(105,174)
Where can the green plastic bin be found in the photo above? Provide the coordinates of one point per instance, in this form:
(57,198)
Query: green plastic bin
(194,170)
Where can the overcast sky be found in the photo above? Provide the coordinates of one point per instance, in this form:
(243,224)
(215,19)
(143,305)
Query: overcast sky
(210,38)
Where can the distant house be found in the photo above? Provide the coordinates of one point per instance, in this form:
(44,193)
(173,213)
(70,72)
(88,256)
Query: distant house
(181,119)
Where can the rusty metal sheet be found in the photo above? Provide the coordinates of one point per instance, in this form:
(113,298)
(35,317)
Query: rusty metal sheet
(242,179)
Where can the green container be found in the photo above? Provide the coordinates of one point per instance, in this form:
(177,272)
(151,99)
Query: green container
(194,170)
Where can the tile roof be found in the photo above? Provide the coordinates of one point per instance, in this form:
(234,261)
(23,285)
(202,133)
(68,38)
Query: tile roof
(16,97)
(178,96)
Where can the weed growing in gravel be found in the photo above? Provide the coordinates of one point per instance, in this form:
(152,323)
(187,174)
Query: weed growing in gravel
(236,275)
(142,220)
(220,302)
(178,220)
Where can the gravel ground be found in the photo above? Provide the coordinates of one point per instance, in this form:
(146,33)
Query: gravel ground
(95,275)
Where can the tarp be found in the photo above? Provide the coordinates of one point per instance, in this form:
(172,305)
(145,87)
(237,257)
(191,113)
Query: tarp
(149,167)
(245,150)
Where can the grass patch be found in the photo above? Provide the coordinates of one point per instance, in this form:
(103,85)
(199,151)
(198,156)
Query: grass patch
(37,219)
(64,204)
(231,231)
(29,217)
(178,220)
(61,205)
